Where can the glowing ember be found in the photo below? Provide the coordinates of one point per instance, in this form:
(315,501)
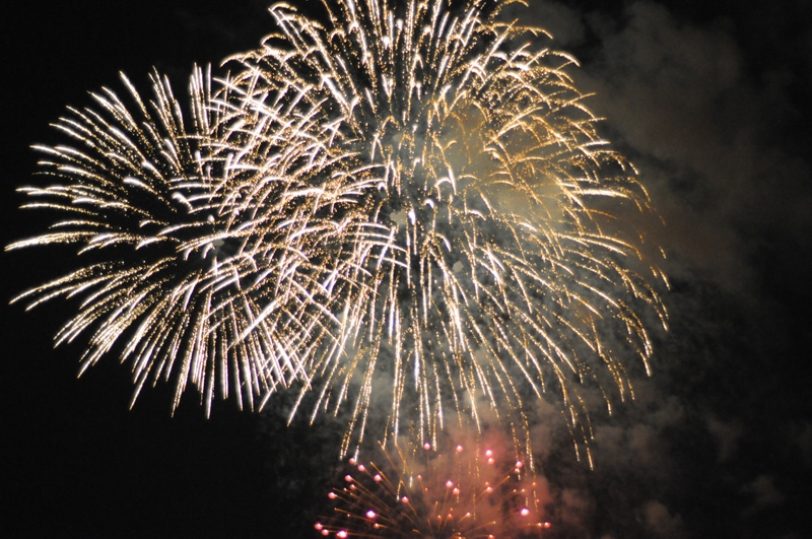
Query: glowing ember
(478,501)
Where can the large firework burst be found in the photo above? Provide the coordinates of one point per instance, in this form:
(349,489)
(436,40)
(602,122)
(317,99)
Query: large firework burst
(407,206)
(498,261)
(196,257)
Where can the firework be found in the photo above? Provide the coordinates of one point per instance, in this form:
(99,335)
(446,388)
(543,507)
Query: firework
(465,492)
(408,204)
(500,257)
(195,258)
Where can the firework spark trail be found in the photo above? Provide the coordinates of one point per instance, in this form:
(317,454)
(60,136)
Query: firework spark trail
(195,257)
(467,490)
(498,260)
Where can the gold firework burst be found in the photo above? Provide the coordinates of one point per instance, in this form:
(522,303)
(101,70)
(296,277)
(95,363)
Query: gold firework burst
(501,257)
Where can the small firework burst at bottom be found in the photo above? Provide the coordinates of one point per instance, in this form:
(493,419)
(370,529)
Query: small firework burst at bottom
(461,492)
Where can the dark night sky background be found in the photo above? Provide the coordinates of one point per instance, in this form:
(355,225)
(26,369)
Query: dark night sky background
(711,101)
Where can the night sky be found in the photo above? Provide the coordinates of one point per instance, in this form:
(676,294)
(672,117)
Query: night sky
(709,99)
